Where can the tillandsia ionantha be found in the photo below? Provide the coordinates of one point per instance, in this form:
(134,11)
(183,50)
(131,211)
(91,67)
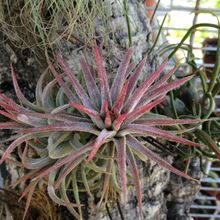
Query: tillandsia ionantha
(84,134)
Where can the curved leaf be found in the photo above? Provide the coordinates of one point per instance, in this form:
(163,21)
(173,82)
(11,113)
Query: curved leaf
(135,144)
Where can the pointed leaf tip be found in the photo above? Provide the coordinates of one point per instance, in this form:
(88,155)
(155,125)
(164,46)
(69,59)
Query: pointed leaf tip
(140,91)
(120,75)
(102,138)
(136,145)
(103,79)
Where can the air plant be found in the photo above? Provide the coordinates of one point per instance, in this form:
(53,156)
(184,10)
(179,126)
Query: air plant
(84,134)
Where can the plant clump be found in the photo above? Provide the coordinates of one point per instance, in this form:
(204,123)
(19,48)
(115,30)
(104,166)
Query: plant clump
(87,134)
(38,25)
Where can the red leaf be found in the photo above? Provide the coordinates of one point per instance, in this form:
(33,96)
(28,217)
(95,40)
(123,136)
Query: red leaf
(62,84)
(75,83)
(130,69)
(94,115)
(163,90)
(19,94)
(73,156)
(136,145)
(156,132)
(105,93)
(10,125)
(117,123)
(103,136)
(14,144)
(141,111)
(9,115)
(167,121)
(134,172)
(108,120)
(120,99)
(164,79)
(120,75)
(75,126)
(135,98)
(67,169)
(134,78)
(6,106)
(12,104)
(90,83)
(121,160)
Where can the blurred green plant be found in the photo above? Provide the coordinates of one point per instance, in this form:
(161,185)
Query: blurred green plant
(197,97)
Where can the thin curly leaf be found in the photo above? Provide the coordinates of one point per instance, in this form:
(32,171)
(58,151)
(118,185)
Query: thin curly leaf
(68,168)
(74,155)
(207,140)
(64,196)
(34,163)
(58,144)
(52,193)
(76,192)
(107,178)
(39,87)
(98,169)
(61,150)
(19,94)
(47,99)
(14,144)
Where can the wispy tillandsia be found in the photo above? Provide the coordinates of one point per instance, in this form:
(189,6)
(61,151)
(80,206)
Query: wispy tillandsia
(85,137)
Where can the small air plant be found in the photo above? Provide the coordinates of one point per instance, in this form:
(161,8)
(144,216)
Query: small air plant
(85,137)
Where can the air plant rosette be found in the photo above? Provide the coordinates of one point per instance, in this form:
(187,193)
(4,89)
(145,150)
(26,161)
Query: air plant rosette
(87,135)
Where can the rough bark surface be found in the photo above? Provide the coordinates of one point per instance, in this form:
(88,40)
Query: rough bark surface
(165,196)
